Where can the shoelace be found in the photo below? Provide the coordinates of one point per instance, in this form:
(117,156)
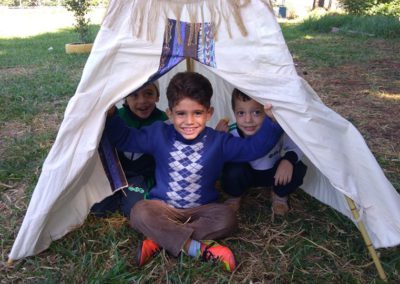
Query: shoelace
(208,255)
(156,251)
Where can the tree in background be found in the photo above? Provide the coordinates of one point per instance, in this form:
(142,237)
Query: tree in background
(80,8)
(356,7)
(322,3)
(388,8)
(35,3)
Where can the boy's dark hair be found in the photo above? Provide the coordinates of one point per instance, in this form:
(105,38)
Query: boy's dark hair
(145,85)
(190,85)
(238,95)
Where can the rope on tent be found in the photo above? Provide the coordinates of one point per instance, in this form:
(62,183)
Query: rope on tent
(366,238)
(268,3)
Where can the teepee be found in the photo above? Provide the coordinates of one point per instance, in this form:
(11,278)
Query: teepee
(235,43)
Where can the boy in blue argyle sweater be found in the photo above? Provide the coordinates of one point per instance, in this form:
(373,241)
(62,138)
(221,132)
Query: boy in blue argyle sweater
(183,212)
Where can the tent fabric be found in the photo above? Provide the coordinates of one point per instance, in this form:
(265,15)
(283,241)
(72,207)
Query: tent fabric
(112,165)
(260,65)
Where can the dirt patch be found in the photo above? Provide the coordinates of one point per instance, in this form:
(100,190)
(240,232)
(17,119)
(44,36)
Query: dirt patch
(11,130)
(14,129)
(368,95)
(40,124)
(45,122)
(13,203)
(15,71)
(12,197)
(351,92)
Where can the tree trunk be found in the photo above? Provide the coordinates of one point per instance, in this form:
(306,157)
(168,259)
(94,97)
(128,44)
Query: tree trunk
(329,5)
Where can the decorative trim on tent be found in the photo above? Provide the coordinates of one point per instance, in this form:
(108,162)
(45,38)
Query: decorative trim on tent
(189,44)
(111,164)
(146,14)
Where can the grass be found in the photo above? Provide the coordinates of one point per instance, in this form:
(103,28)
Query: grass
(318,49)
(376,26)
(356,76)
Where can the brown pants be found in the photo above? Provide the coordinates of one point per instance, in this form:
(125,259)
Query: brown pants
(171,228)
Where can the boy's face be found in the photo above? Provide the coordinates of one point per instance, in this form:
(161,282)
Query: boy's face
(249,116)
(189,117)
(143,102)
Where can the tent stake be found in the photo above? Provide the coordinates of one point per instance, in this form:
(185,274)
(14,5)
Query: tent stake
(10,262)
(367,240)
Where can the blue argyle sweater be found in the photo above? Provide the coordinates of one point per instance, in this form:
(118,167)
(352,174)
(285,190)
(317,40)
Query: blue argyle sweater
(186,170)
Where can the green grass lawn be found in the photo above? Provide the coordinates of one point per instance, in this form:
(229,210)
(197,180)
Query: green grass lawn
(313,244)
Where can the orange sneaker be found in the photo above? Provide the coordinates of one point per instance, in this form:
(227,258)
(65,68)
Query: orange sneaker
(146,251)
(212,251)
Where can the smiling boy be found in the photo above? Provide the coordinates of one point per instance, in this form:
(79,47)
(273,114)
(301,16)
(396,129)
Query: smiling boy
(183,212)
(281,168)
(139,110)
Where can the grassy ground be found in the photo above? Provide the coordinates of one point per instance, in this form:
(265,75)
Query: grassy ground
(356,76)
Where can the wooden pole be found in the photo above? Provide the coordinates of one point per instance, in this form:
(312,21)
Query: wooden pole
(10,262)
(366,238)
(189,64)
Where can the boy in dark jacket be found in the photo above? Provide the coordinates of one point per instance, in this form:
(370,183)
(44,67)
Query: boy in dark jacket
(139,110)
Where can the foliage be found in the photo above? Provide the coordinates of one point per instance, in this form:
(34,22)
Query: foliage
(372,7)
(49,2)
(30,3)
(391,8)
(80,8)
(8,3)
(34,3)
(324,23)
(27,3)
(357,7)
(377,25)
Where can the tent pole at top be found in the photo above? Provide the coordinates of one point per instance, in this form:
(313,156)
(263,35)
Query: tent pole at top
(366,238)
(189,64)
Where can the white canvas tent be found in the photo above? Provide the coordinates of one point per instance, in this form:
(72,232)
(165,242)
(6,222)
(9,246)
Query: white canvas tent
(239,44)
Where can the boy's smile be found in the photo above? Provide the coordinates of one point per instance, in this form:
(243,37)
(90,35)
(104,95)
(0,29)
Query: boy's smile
(143,102)
(249,116)
(189,118)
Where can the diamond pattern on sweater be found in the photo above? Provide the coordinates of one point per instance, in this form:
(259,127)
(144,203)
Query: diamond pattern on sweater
(185,175)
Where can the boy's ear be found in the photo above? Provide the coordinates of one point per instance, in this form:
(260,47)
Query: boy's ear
(210,113)
(168,112)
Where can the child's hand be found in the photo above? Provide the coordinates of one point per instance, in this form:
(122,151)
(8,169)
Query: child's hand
(223,125)
(283,173)
(268,111)
(111,111)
